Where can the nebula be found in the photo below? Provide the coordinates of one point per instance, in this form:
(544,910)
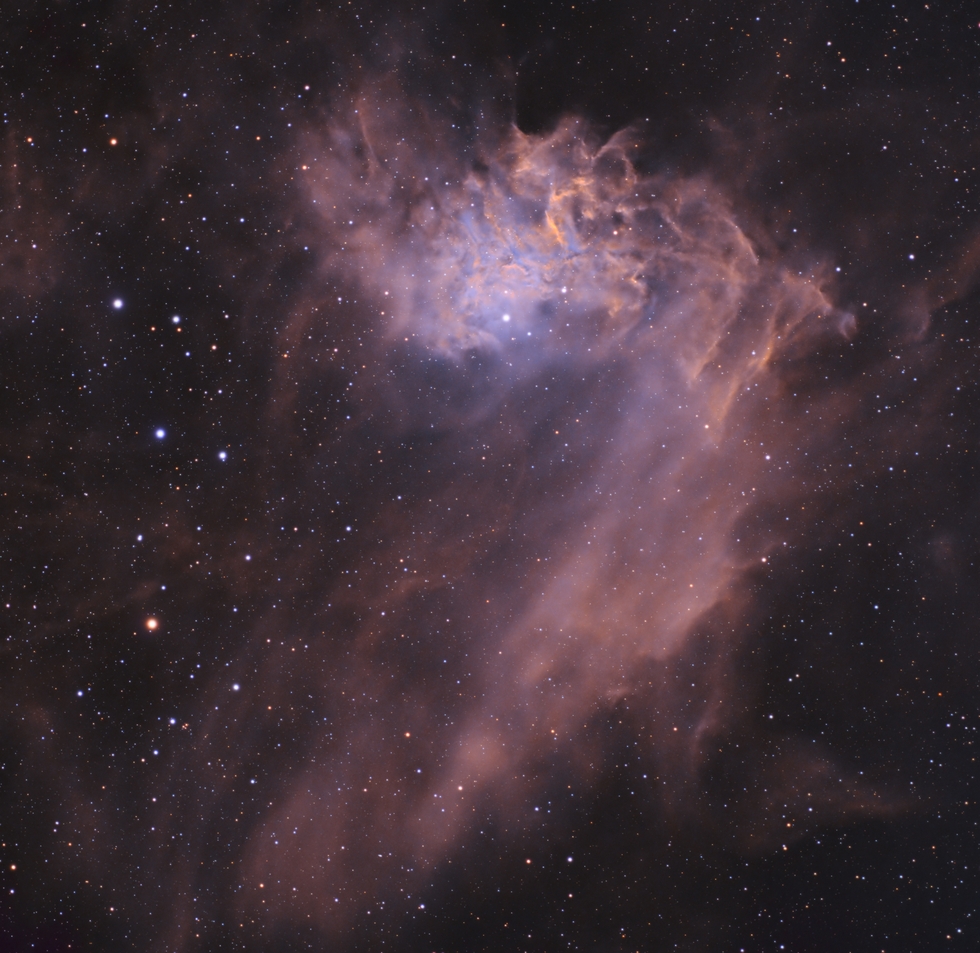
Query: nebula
(611,416)
(484,498)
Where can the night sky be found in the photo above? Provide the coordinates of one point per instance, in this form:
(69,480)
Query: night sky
(489,477)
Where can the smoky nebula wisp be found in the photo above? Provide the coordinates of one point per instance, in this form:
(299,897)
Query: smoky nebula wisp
(622,346)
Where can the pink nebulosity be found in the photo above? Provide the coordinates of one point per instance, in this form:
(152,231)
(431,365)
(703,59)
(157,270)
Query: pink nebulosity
(551,257)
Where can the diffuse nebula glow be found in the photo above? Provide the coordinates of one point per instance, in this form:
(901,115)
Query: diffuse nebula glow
(619,458)
(483,478)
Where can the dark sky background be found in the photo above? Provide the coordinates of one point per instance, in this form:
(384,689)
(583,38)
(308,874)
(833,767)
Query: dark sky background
(489,477)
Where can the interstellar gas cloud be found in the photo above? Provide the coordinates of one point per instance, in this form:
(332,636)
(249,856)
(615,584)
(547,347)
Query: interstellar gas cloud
(449,508)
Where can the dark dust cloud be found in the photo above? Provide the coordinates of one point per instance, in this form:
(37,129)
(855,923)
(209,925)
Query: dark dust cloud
(489,477)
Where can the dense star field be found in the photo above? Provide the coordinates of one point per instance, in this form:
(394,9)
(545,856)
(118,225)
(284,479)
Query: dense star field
(489,477)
